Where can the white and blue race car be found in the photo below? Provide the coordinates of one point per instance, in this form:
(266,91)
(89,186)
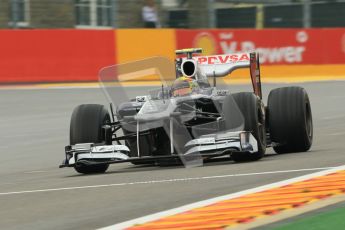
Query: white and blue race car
(189,120)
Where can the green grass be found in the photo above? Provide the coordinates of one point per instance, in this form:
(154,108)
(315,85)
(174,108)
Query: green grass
(333,220)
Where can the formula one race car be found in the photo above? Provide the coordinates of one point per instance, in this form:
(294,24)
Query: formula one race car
(188,120)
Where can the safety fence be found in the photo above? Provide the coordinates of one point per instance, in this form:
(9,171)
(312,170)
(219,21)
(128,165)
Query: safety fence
(78,55)
(42,14)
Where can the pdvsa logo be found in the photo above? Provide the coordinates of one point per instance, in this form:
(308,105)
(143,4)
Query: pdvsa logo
(223,59)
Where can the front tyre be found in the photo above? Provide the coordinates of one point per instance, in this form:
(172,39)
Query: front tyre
(290,120)
(86,127)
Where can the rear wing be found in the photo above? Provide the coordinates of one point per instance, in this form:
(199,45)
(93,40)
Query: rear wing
(223,65)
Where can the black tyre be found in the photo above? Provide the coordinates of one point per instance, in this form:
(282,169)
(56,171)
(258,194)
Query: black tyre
(254,121)
(86,127)
(290,119)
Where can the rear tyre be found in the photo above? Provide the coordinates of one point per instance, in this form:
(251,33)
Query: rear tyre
(254,122)
(86,127)
(290,120)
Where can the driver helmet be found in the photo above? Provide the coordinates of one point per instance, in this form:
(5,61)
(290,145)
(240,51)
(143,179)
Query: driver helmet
(184,86)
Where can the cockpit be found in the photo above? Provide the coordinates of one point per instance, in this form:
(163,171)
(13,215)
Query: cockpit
(184,86)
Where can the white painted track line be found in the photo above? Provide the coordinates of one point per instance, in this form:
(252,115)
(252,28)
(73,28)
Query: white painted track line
(203,203)
(161,181)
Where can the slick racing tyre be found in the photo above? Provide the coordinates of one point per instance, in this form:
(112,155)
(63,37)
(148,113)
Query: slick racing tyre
(254,122)
(86,127)
(290,120)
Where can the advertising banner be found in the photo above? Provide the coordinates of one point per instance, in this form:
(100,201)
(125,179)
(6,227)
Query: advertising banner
(276,46)
(68,55)
(54,55)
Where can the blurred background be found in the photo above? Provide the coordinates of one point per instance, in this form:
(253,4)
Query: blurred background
(172,13)
(71,40)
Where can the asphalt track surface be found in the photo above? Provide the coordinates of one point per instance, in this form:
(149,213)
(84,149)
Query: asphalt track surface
(34,126)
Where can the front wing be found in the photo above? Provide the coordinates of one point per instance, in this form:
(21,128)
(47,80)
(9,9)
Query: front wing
(212,145)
